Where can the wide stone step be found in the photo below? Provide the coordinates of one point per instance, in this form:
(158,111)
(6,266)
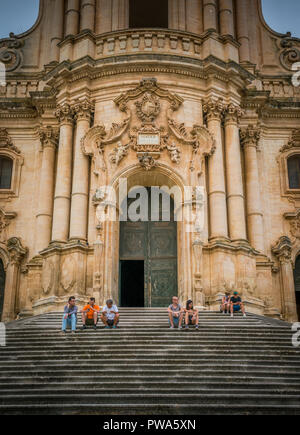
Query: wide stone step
(150,398)
(240,365)
(150,409)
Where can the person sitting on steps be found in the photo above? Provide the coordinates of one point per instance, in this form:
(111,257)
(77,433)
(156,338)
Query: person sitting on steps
(191,315)
(175,312)
(225,306)
(236,304)
(110,315)
(70,315)
(90,314)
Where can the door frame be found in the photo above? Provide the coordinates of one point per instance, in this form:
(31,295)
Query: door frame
(161,175)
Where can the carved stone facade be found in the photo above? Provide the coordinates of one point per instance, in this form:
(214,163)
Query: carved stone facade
(206,103)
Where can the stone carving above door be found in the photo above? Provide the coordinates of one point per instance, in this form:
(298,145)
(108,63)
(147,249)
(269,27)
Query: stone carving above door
(148,129)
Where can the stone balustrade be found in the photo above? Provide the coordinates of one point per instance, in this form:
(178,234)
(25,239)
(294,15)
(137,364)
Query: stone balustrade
(148,41)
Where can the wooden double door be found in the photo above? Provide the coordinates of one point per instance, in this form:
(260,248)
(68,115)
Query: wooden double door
(148,261)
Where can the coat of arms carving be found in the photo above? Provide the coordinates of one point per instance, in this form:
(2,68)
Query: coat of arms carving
(148,129)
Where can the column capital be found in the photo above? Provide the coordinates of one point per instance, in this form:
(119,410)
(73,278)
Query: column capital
(83,109)
(233,113)
(49,136)
(16,250)
(283,250)
(214,109)
(250,136)
(65,114)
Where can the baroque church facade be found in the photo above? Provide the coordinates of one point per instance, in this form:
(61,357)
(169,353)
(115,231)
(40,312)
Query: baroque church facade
(171,93)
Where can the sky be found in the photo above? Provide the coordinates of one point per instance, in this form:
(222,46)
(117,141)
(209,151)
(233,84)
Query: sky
(19,15)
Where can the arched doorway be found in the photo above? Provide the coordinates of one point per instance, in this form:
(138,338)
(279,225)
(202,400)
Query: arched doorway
(297,284)
(2,287)
(148,250)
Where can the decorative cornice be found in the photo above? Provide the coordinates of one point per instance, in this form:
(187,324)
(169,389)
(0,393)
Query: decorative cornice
(214,109)
(49,136)
(250,136)
(6,141)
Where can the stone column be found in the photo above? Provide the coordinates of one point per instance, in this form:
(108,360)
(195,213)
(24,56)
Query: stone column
(226,18)
(80,190)
(283,250)
(235,190)
(16,254)
(242,29)
(49,137)
(87,15)
(62,198)
(250,137)
(217,195)
(72,17)
(57,24)
(210,15)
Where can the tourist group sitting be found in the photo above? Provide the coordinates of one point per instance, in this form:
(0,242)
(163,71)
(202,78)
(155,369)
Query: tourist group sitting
(90,315)
(179,316)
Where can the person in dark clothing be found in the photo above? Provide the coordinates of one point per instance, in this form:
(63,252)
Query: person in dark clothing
(236,304)
(191,315)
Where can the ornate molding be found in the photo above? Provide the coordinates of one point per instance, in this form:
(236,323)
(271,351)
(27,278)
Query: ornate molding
(83,109)
(6,141)
(290,52)
(147,161)
(10,52)
(49,136)
(5,220)
(233,113)
(65,114)
(148,86)
(283,249)
(119,153)
(16,250)
(250,136)
(293,142)
(214,109)
(148,108)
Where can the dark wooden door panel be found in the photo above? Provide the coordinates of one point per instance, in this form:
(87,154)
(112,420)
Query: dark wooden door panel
(156,244)
(163,281)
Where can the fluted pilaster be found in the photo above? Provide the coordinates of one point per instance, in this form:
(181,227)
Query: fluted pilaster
(214,111)
(226,18)
(80,190)
(48,137)
(235,190)
(250,137)
(87,21)
(283,251)
(62,198)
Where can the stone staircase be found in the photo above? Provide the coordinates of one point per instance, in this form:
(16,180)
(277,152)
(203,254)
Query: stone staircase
(229,366)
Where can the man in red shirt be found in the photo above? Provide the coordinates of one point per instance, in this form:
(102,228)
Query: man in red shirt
(90,314)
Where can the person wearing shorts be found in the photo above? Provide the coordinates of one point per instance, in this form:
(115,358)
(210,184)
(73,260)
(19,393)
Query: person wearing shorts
(110,315)
(236,304)
(175,312)
(191,315)
(90,314)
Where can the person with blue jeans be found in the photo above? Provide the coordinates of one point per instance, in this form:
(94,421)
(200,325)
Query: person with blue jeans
(70,315)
